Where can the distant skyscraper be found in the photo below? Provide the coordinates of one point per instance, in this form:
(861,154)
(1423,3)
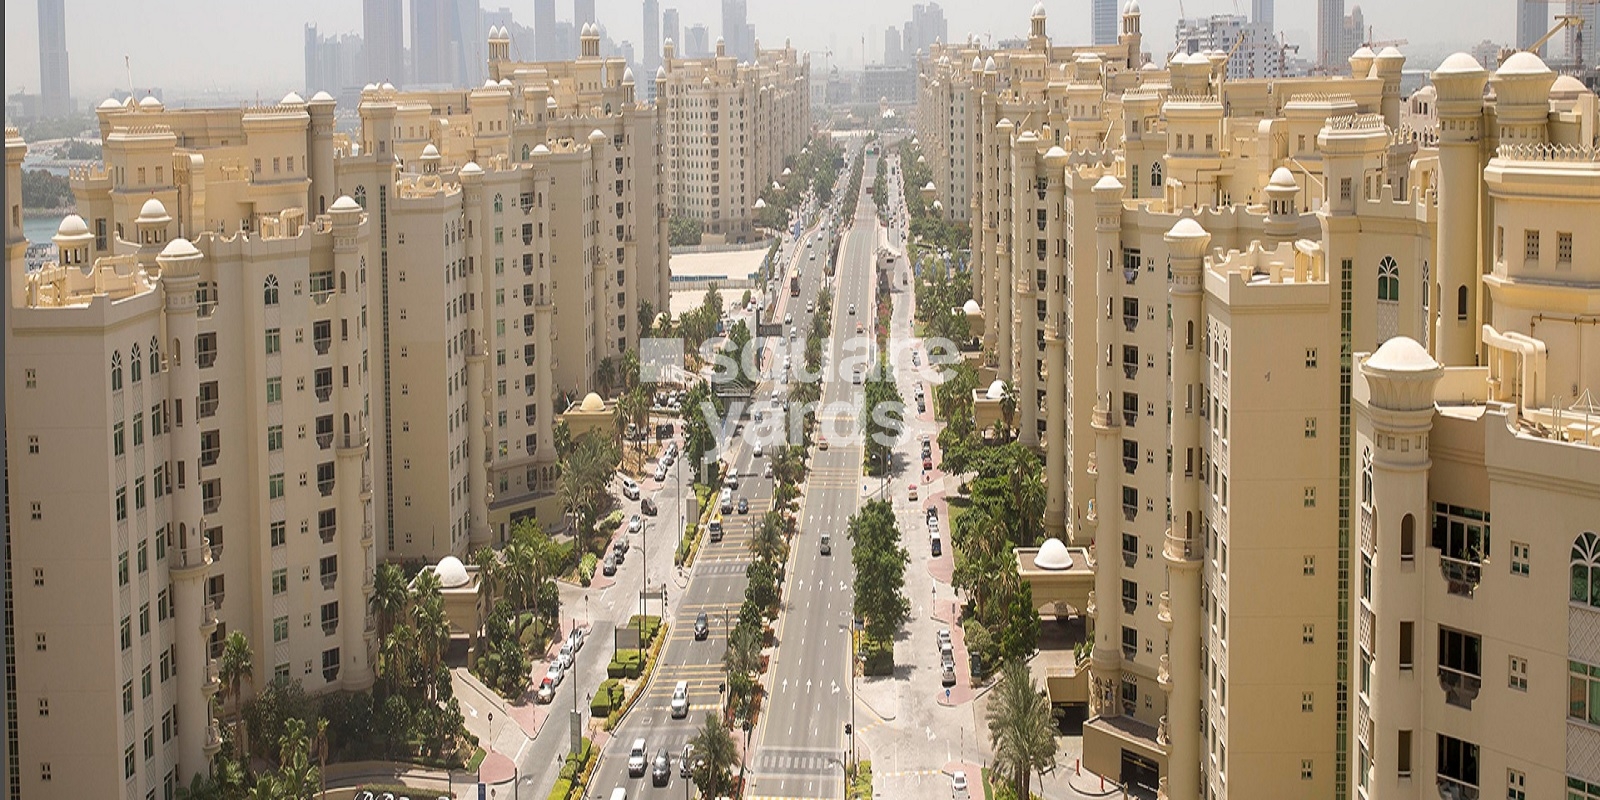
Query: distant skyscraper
(1103,21)
(333,63)
(1330,33)
(734,28)
(544,30)
(1582,45)
(926,26)
(1261,15)
(1533,19)
(582,12)
(892,53)
(652,38)
(383,26)
(670,29)
(445,45)
(55,84)
(696,42)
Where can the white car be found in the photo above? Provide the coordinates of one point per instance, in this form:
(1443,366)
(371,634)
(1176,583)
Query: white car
(636,759)
(635,524)
(680,700)
(556,672)
(958,784)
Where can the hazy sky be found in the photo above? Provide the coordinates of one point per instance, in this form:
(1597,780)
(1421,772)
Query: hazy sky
(239,47)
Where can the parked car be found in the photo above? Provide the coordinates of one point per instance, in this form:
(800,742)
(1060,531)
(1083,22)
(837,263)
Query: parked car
(661,472)
(555,673)
(576,638)
(635,524)
(911,492)
(943,636)
(609,568)
(636,759)
(947,675)
(702,627)
(958,784)
(547,690)
(630,489)
(822,444)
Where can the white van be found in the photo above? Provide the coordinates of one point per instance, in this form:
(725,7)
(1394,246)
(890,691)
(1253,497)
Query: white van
(630,489)
(619,793)
(726,503)
(680,700)
(636,760)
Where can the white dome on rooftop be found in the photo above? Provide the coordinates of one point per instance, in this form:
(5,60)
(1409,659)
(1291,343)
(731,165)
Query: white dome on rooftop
(150,101)
(1038,9)
(971,308)
(592,403)
(627,74)
(1131,8)
(321,97)
(661,72)
(1108,183)
(452,573)
(1283,177)
(429,151)
(997,390)
(72,225)
(292,99)
(471,168)
(152,211)
(550,102)
(1389,53)
(1523,63)
(1363,52)
(1187,228)
(109,102)
(977,64)
(1459,63)
(345,203)
(540,150)
(988,64)
(179,248)
(1402,354)
(387,86)
(490,84)
(1053,556)
(371,87)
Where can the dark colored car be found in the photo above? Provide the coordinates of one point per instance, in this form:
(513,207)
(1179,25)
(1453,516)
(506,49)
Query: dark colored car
(648,506)
(927,463)
(744,506)
(661,768)
(702,627)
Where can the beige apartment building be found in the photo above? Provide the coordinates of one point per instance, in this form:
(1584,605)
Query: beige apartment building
(727,129)
(1298,222)
(315,351)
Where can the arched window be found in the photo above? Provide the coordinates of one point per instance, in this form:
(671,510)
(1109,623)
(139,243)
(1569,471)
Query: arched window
(1188,335)
(1155,175)
(135,364)
(499,202)
(116,371)
(155,355)
(269,291)
(1388,279)
(1408,538)
(1366,477)
(1461,302)
(361,196)
(1585,567)
(526,152)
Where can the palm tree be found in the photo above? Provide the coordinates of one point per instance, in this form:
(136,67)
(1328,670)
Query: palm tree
(1021,730)
(235,670)
(766,541)
(714,758)
(389,597)
(488,563)
(605,374)
(647,317)
(1008,404)
(743,656)
(322,755)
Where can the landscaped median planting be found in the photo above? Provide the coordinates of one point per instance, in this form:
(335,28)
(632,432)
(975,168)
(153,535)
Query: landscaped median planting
(575,772)
(628,672)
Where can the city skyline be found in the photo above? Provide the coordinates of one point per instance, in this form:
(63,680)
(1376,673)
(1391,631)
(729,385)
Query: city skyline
(269,60)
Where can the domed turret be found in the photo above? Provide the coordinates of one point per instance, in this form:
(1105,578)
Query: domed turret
(72,241)
(292,99)
(592,403)
(452,573)
(1053,556)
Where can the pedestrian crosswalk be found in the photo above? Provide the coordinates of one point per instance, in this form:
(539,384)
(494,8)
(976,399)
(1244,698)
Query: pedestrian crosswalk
(797,762)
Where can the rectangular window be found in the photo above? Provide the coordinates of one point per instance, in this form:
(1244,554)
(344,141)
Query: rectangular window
(274,341)
(1530,246)
(127,697)
(1402,754)
(1407,643)
(126,633)
(274,390)
(122,569)
(274,438)
(279,534)
(1563,249)
(138,429)
(128,762)
(117,442)
(1311,358)
(1309,566)
(1519,558)
(1500,242)
(1307,702)
(1518,674)
(1310,500)
(280,581)
(275,486)
(1311,427)
(1517,785)
(122,503)
(1458,764)
(280,629)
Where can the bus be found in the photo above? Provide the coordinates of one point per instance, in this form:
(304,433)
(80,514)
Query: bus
(715,527)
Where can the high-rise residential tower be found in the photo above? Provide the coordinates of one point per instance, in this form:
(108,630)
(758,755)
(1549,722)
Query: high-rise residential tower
(55,84)
(671,30)
(1330,33)
(1533,19)
(734,29)
(1261,14)
(583,13)
(1583,42)
(544,30)
(1103,21)
(383,25)
(651,53)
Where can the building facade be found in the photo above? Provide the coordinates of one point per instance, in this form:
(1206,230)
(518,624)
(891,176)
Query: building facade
(1223,249)
(383,33)
(727,128)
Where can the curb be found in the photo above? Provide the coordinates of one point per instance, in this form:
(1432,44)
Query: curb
(629,703)
(863,701)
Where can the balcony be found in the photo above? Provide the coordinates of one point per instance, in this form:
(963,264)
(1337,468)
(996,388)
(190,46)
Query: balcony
(208,457)
(1130,322)
(325,487)
(1129,605)
(1130,465)
(354,441)
(330,579)
(213,738)
(1461,576)
(325,533)
(1460,689)
(212,504)
(324,440)
(329,626)
(1452,789)
(1131,276)
(197,557)
(1129,512)
(1129,558)
(1164,610)
(208,407)
(213,677)
(1179,548)
(324,392)
(208,617)
(1130,371)
(1164,672)
(322,345)
(1130,419)
(1129,652)
(206,358)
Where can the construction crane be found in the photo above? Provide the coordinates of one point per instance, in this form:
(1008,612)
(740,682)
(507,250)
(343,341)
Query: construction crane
(1574,21)
(1379,44)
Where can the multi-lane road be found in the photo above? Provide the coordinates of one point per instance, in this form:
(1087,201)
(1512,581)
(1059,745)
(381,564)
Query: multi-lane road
(716,585)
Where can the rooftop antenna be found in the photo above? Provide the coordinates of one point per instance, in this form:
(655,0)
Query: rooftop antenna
(127,66)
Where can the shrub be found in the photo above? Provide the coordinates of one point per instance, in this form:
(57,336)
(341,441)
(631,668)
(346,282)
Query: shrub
(607,697)
(625,664)
(877,657)
(586,568)
(561,790)
(652,624)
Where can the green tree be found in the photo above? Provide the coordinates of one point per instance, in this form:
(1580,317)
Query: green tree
(743,656)
(605,375)
(1021,730)
(882,420)
(235,669)
(683,232)
(715,755)
(880,562)
(297,776)
(762,588)
(647,317)
(766,540)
